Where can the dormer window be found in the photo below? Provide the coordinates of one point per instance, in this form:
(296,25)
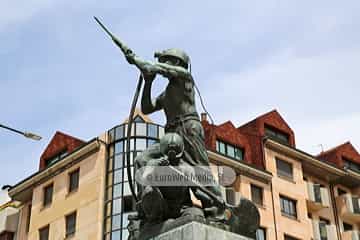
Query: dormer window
(348,164)
(229,150)
(56,158)
(276,134)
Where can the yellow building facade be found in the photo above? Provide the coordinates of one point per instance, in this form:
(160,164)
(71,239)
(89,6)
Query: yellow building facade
(85,195)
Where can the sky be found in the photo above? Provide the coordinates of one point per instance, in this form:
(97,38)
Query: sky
(59,71)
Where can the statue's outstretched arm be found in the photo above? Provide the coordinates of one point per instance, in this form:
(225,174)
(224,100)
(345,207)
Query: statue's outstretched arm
(147,68)
(151,68)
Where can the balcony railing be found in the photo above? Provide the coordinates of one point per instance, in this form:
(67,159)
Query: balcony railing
(318,197)
(349,207)
(350,235)
(322,231)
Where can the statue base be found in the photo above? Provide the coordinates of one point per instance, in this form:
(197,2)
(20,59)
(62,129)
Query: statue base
(198,231)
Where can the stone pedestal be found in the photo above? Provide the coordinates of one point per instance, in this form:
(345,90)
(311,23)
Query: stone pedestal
(198,231)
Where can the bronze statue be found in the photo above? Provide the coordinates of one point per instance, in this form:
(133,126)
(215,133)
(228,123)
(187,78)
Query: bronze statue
(184,146)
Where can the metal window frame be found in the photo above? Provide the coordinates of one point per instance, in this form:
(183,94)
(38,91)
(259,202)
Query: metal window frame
(72,233)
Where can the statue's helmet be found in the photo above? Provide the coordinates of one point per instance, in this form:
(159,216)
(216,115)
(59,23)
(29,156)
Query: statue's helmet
(176,53)
(172,145)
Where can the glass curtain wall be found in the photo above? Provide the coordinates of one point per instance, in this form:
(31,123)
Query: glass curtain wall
(119,202)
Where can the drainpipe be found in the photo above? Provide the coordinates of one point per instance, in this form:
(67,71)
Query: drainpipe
(271,189)
(335,209)
(103,200)
(273,206)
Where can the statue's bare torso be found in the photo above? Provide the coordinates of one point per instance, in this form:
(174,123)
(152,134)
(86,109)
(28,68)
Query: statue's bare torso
(178,99)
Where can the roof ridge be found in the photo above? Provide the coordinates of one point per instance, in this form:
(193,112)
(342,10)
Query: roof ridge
(68,135)
(333,149)
(260,116)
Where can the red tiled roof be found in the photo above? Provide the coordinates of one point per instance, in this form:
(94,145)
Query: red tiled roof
(248,136)
(336,154)
(59,142)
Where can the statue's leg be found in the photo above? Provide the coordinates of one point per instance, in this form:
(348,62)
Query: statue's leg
(196,154)
(153,204)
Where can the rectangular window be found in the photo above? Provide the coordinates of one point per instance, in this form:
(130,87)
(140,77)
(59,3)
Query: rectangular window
(70,224)
(48,194)
(140,144)
(284,169)
(111,134)
(132,145)
(276,135)
(116,207)
(152,130)
(349,164)
(74,180)
(261,234)
(116,222)
(44,233)
(220,147)
(140,129)
(288,207)
(356,205)
(229,150)
(119,132)
(118,161)
(119,147)
(56,157)
(118,176)
(322,228)
(257,194)
(239,154)
(117,190)
(317,192)
(347,227)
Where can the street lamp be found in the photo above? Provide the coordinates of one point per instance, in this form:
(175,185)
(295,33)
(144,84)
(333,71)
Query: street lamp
(30,135)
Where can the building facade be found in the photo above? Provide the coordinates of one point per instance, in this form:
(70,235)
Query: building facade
(81,190)
(299,196)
